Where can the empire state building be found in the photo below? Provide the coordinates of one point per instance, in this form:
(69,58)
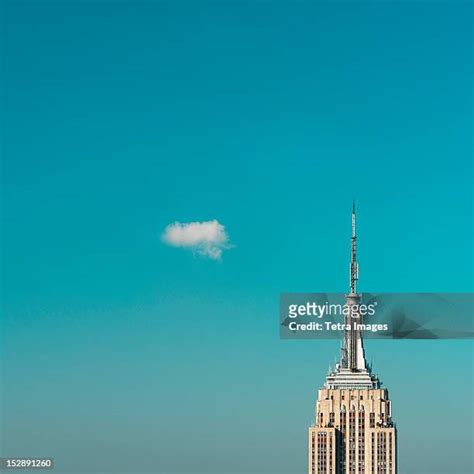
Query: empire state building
(353,431)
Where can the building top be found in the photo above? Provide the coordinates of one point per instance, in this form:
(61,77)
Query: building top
(352,371)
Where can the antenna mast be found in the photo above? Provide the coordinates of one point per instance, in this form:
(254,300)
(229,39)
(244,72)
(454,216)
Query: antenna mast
(354,267)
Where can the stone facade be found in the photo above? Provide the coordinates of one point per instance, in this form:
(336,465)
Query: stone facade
(353,433)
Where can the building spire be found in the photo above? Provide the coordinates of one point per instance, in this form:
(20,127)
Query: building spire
(353,370)
(353,349)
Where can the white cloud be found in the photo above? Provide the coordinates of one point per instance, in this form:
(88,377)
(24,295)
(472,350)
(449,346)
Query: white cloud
(207,238)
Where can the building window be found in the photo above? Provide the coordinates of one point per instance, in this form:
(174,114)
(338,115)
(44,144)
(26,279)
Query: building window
(372,420)
(342,421)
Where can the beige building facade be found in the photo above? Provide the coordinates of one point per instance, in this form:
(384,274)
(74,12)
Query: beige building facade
(353,433)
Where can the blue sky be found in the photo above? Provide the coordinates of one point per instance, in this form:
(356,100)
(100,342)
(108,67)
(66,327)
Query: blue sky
(120,118)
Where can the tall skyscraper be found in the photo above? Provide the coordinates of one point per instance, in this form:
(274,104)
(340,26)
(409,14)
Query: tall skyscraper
(353,430)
